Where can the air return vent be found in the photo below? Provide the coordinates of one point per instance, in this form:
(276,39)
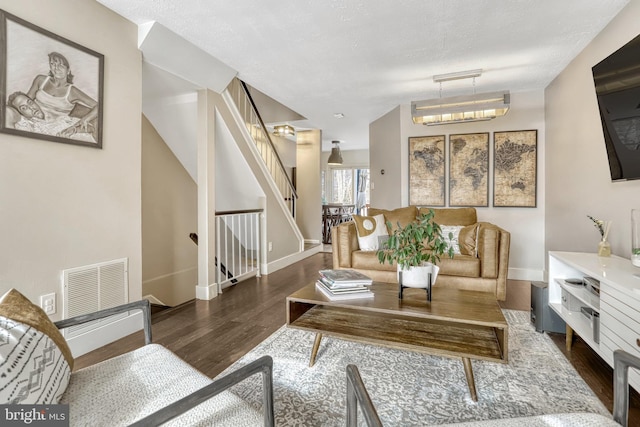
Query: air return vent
(94,287)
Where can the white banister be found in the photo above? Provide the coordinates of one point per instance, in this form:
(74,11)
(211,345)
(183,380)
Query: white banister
(237,246)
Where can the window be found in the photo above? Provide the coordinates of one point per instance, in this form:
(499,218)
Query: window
(347,186)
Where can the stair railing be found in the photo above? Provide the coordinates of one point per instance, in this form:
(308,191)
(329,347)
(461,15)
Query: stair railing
(247,108)
(238,246)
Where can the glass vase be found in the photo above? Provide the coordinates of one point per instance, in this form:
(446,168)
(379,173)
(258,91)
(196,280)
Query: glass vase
(604,248)
(635,237)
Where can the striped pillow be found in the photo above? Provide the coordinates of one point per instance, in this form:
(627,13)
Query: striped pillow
(34,358)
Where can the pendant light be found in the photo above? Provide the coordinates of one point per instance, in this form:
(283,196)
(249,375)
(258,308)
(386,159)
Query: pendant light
(336,156)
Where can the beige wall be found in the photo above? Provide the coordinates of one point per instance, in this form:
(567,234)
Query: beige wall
(389,138)
(61,205)
(308,208)
(385,153)
(169,214)
(577,172)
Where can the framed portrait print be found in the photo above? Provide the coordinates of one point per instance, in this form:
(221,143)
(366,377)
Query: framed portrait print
(426,170)
(515,168)
(51,88)
(469,169)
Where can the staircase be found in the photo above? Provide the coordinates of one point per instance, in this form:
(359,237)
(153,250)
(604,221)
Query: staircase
(258,131)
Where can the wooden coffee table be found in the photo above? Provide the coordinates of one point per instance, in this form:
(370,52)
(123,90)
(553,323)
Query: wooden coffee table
(456,323)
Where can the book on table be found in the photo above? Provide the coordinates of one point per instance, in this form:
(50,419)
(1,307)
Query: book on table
(340,296)
(342,278)
(342,290)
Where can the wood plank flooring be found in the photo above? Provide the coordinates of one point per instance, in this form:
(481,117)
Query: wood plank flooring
(212,335)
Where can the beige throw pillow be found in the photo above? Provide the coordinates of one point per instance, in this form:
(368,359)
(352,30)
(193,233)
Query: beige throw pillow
(372,231)
(468,240)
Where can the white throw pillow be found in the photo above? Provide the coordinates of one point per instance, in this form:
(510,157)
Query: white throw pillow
(33,369)
(372,231)
(35,361)
(452,242)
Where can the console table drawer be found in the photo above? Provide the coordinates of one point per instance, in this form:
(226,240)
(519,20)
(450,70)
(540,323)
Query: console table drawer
(625,326)
(609,342)
(622,302)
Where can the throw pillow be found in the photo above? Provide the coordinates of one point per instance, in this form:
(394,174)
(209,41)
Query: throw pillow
(35,360)
(468,240)
(450,235)
(371,230)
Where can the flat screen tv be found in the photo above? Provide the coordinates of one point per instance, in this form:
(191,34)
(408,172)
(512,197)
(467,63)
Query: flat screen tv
(617,82)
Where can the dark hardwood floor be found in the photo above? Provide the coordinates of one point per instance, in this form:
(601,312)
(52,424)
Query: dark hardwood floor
(212,335)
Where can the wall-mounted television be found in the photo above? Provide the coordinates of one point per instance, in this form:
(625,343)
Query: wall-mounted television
(617,82)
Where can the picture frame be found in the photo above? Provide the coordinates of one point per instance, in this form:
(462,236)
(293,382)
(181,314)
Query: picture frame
(427,170)
(469,169)
(51,87)
(515,167)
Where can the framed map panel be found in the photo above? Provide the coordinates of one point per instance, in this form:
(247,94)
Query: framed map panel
(426,170)
(515,168)
(469,169)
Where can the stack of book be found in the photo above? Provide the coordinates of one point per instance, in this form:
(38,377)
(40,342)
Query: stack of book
(344,284)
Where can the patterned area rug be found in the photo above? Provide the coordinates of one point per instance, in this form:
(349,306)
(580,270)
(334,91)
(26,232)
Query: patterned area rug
(413,389)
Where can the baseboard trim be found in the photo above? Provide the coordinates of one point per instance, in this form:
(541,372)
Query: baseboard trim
(207,292)
(105,334)
(525,274)
(290,259)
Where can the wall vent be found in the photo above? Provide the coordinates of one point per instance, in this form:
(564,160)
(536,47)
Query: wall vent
(94,287)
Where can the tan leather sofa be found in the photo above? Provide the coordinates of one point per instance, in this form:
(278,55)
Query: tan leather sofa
(485,271)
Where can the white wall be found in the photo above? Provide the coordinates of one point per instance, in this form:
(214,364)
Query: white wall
(391,153)
(577,171)
(64,206)
(236,186)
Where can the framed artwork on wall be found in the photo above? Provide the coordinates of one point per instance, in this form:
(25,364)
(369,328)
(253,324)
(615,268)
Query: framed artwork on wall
(469,169)
(426,170)
(51,88)
(515,168)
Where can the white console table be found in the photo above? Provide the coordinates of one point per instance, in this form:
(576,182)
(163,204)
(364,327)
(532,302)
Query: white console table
(618,304)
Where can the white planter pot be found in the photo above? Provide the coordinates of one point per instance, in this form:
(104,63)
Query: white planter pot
(418,276)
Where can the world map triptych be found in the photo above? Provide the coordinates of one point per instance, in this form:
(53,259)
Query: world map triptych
(465,177)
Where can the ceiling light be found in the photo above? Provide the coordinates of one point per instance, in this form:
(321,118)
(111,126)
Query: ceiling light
(439,78)
(461,109)
(338,115)
(335,158)
(283,130)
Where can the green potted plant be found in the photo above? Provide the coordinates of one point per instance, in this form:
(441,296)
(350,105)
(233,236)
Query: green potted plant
(416,248)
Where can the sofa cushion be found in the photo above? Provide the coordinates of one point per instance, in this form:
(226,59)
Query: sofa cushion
(403,216)
(453,216)
(35,360)
(366,260)
(121,390)
(372,231)
(460,265)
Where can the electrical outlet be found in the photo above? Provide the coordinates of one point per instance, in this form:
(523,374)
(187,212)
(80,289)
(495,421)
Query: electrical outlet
(48,303)
(270,246)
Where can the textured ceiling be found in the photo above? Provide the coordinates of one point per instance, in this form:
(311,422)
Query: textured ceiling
(364,58)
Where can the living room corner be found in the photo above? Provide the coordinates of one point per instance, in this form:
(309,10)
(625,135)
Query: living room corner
(133,213)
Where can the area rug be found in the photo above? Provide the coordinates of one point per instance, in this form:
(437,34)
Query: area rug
(413,389)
